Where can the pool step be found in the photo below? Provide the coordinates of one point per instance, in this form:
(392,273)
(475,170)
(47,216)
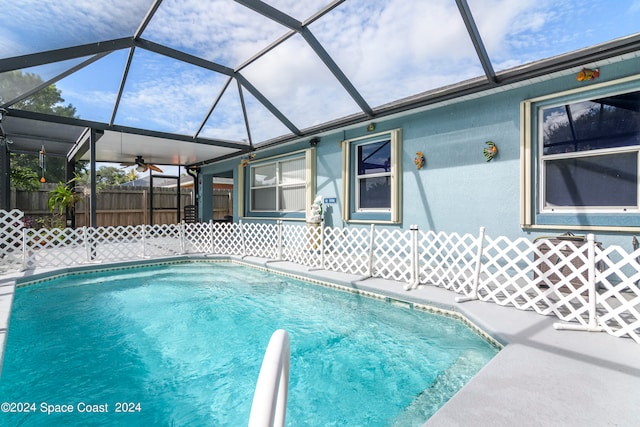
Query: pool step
(440,391)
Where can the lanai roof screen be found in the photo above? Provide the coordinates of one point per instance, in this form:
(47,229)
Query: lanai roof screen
(251,71)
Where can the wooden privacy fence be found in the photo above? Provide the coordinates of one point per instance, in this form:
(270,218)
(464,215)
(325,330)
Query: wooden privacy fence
(120,205)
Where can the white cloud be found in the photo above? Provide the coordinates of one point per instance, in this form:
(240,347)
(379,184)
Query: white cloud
(221,31)
(388,48)
(36,25)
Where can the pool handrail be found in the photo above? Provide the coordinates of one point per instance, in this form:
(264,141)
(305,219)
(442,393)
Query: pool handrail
(270,397)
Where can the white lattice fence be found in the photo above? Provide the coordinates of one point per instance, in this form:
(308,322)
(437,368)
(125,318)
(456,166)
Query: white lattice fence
(55,247)
(448,260)
(301,244)
(227,239)
(520,274)
(261,239)
(347,250)
(115,243)
(163,240)
(11,240)
(577,281)
(618,278)
(392,254)
(197,237)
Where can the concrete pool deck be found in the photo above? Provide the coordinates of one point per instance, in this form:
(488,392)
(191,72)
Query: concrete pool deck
(542,377)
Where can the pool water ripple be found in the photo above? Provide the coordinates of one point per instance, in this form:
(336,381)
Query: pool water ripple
(187,341)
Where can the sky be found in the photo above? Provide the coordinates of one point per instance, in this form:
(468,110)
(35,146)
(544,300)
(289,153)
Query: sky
(388,49)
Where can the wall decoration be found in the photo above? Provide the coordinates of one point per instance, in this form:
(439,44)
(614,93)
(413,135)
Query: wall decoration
(246,159)
(371,127)
(419,160)
(315,212)
(588,74)
(490,151)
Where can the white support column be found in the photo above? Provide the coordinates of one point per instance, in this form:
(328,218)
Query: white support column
(244,244)
(24,249)
(212,233)
(414,279)
(182,238)
(279,225)
(85,242)
(371,250)
(322,244)
(143,232)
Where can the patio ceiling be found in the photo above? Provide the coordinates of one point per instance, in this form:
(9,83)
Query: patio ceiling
(188,82)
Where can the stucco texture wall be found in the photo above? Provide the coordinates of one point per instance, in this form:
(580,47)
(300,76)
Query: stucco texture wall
(457,190)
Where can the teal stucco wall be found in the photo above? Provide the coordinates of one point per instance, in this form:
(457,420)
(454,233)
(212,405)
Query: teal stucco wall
(457,190)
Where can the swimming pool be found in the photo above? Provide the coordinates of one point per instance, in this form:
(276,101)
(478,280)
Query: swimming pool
(182,344)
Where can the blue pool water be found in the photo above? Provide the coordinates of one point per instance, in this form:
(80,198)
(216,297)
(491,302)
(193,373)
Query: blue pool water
(182,344)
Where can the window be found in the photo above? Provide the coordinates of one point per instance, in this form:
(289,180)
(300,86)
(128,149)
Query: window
(371,177)
(280,186)
(581,158)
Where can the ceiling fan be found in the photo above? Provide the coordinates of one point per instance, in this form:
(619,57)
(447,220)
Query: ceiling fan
(141,166)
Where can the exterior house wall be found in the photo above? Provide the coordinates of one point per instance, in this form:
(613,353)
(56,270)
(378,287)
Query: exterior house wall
(457,190)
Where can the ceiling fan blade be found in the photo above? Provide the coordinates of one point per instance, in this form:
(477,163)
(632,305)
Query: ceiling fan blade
(153,167)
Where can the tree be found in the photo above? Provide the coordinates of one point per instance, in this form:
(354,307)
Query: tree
(47,100)
(110,175)
(107,176)
(23,178)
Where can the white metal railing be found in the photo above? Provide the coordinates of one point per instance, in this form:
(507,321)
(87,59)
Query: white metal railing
(592,287)
(269,405)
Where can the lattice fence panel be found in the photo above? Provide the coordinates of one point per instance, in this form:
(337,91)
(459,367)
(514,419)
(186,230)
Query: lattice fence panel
(618,280)
(115,243)
(546,277)
(301,244)
(261,239)
(392,254)
(197,237)
(227,238)
(163,240)
(11,240)
(347,250)
(448,260)
(55,247)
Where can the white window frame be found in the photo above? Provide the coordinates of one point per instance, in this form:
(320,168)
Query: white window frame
(532,183)
(278,184)
(351,210)
(245,172)
(358,178)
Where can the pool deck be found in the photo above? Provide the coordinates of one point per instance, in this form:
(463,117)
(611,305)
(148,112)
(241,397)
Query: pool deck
(542,377)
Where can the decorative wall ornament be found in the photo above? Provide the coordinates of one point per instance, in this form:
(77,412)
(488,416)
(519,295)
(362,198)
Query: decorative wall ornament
(244,161)
(490,151)
(419,160)
(315,212)
(588,74)
(371,127)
